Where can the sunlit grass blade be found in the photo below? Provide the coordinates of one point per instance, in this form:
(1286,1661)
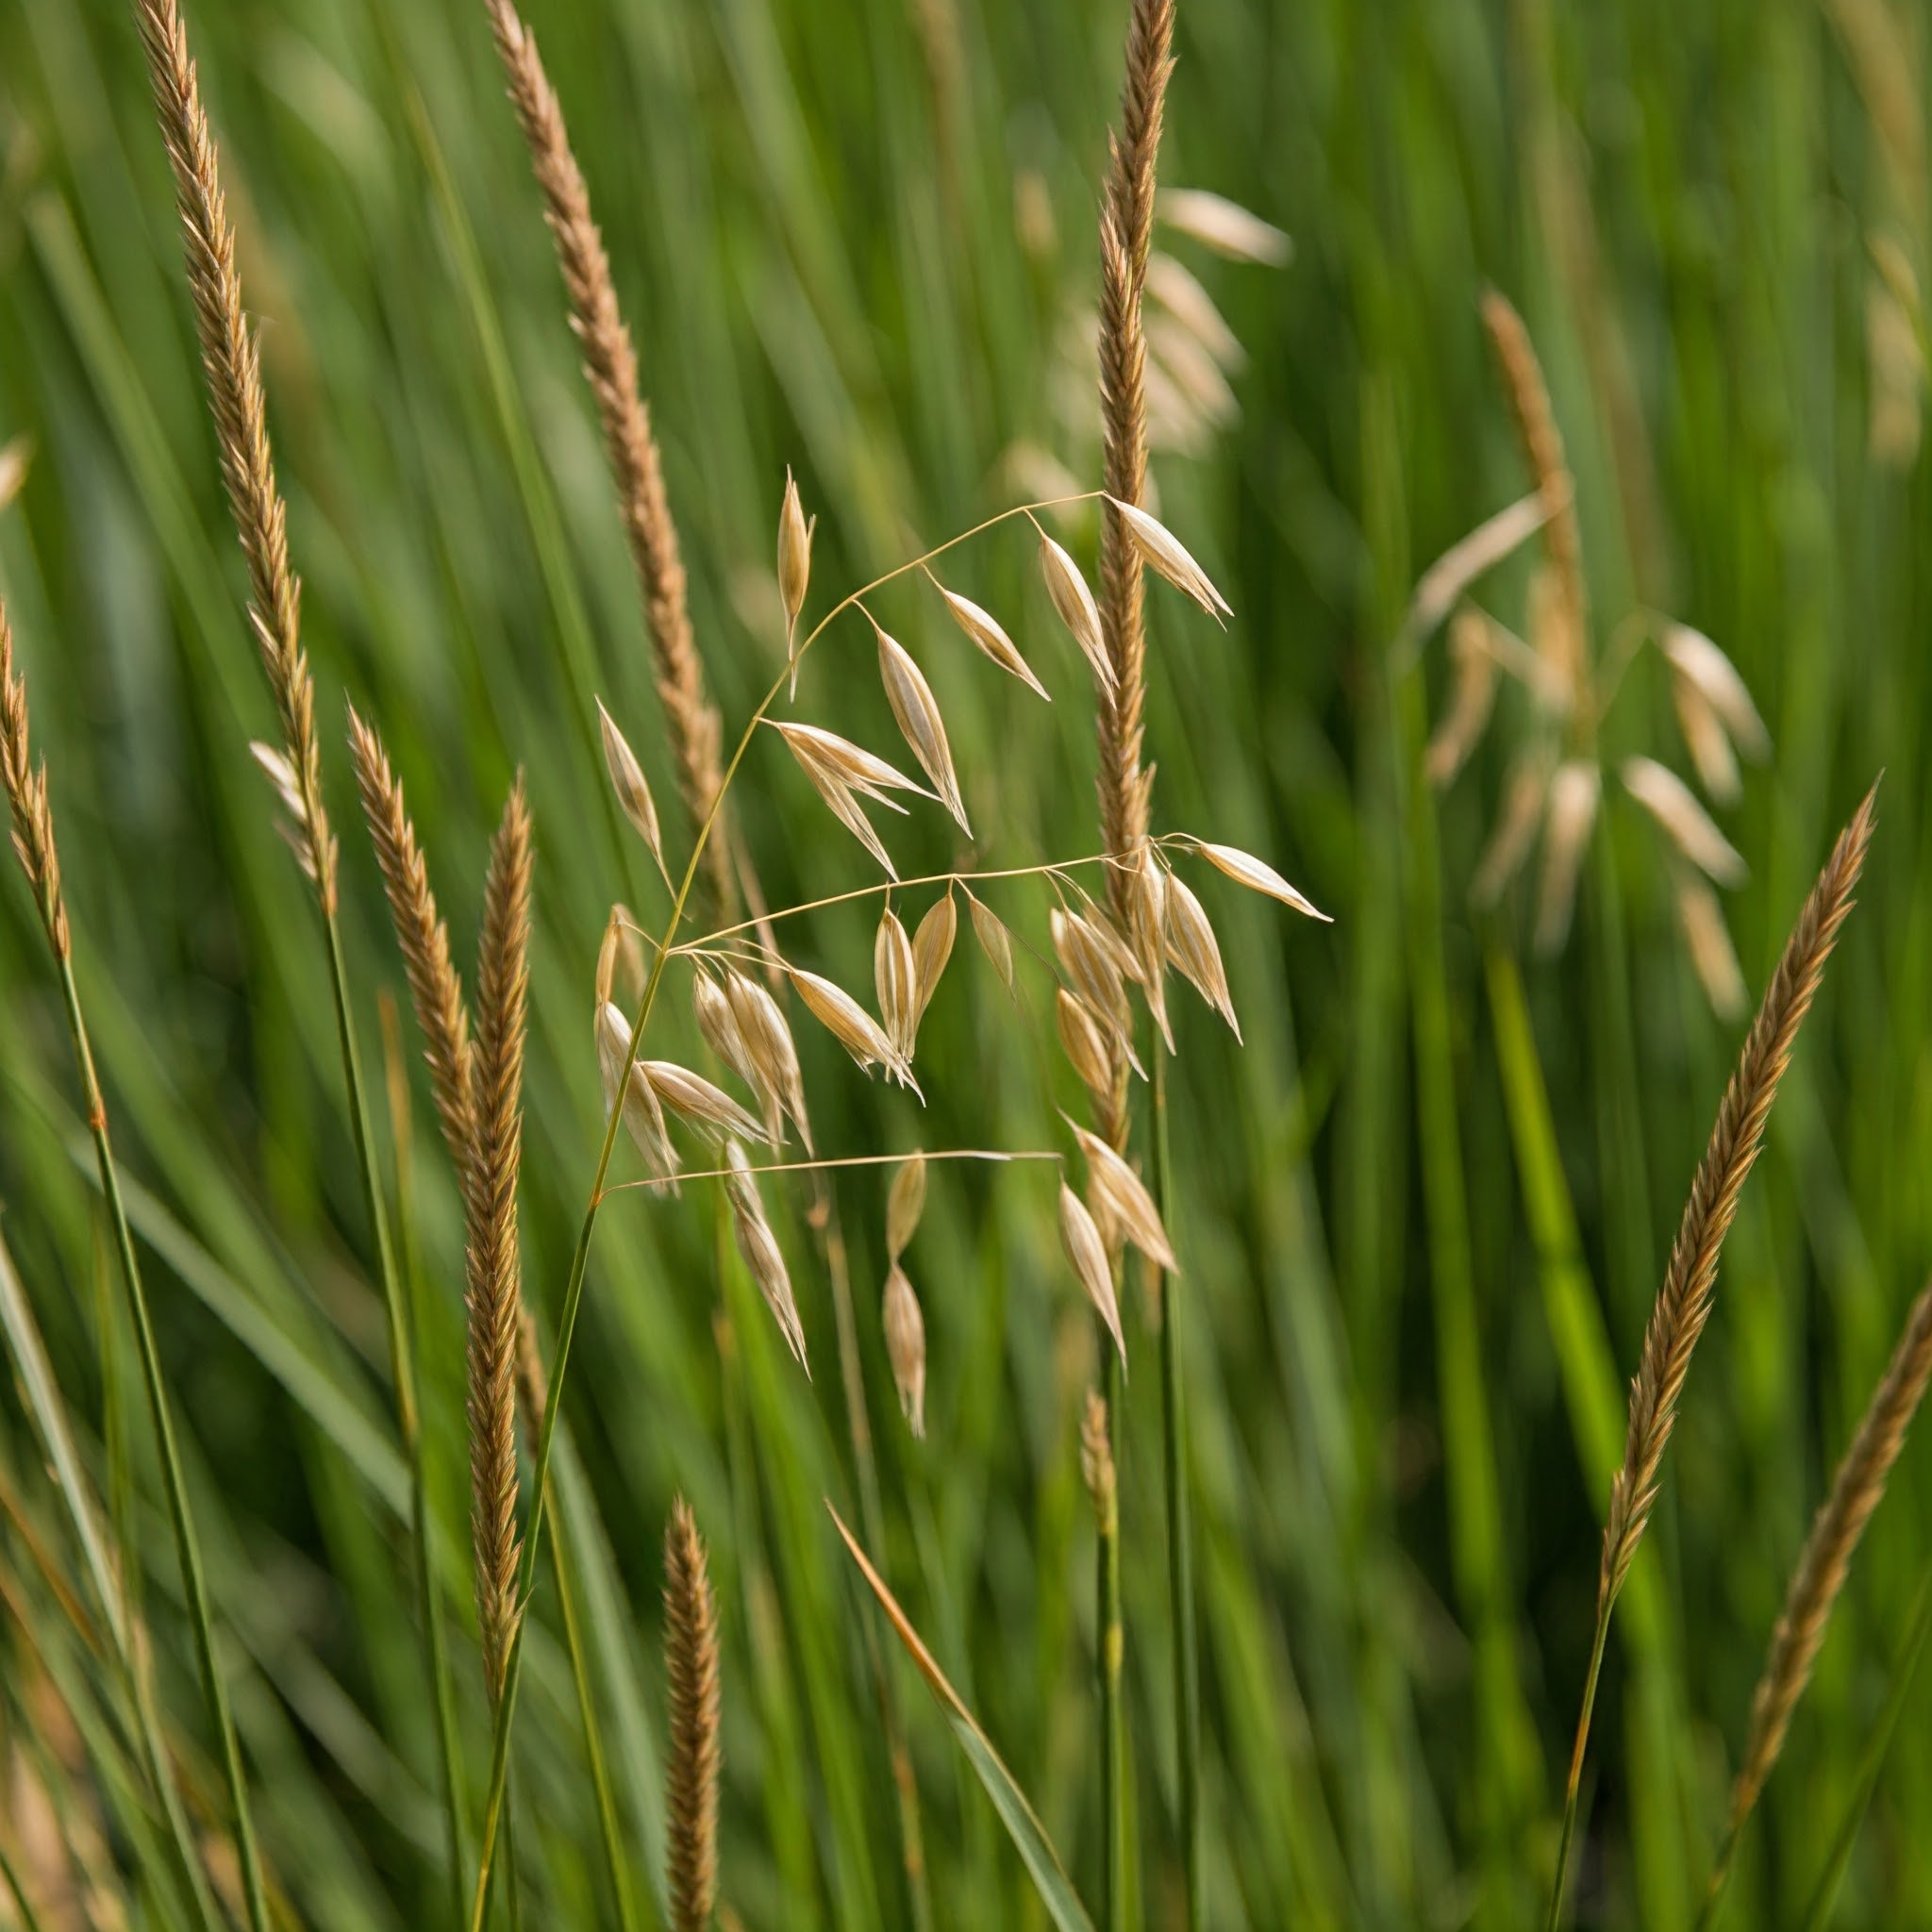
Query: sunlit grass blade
(1023,1825)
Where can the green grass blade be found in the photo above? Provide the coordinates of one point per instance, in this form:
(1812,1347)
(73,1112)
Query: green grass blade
(1023,1825)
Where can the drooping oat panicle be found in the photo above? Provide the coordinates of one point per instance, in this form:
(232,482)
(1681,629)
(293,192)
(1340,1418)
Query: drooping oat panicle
(758,1246)
(719,1027)
(27,800)
(932,946)
(995,941)
(773,1053)
(988,636)
(904,1331)
(794,550)
(895,978)
(1258,876)
(1163,551)
(1095,968)
(644,1113)
(1116,1188)
(1084,1040)
(1075,602)
(905,1204)
(1835,1532)
(631,443)
(493,1301)
(1684,1304)
(1087,1253)
(918,712)
(436,990)
(231,359)
(1196,951)
(697,1102)
(692,1695)
(1543,447)
(633,791)
(1673,805)
(848,1023)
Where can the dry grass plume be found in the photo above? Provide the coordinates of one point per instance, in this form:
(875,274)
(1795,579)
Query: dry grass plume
(1835,1532)
(1683,1305)
(493,1298)
(27,800)
(610,366)
(231,359)
(690,1674)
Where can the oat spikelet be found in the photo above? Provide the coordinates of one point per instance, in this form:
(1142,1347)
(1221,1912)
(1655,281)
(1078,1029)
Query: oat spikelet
(1835,1533)
(26,799)
(1683,1305)
(436,991)
(610,366)
(691,1695)
(231,357)
(1126,226)
(1542,448)
(492,1302)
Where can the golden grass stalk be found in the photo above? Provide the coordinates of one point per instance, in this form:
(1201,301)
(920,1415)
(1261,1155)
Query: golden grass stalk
(32,815)
(610,366)
(492,1300)
(692,1690)
(231,357)
(436,990)
(1684,1303)
(1820,1572)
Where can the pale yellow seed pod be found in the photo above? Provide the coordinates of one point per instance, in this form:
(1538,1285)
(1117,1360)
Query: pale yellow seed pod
(1195,952)
(995,941)
(920,723)
(719,1027)
(794,550)
(895,977)
(1084,1043)
(1258,876)
(1120,1196)
(905,1329)
(1162,553)
(1078,610)
(627,781)
(905,1204)
(988,636)
(697,1101)
(1086,1252)
(1146,935)
(607,961)
(763,1258)
(932,946)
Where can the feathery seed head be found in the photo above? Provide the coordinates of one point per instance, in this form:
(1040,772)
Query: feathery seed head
(692,1700)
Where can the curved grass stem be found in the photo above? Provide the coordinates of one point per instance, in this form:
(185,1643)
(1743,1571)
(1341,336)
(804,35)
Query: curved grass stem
(1577,1751)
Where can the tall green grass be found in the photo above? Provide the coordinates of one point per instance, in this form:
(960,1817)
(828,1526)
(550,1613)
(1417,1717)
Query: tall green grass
(1424,1208)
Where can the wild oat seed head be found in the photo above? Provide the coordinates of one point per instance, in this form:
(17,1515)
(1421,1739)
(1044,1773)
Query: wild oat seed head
(718,1027)
(692,1699)
(995,941)
(1258,876)
(932,946)
(895,979)
(1084,1042)
(1673,805)
(990,636)
(918,712)
(633,791)
(1574,792)
(767,1036)
(643,1114)
(1115,1187)
(1087,1253)
(1078,610)
(1195,952)
(905,1204)
(698,1103)
(1706,667)
(1163,551)
(794,550)
(848,1023)
(1230,230)
(763,1258)
(905,1329)
(1146,898)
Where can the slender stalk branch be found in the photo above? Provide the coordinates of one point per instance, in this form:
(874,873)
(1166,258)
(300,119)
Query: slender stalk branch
(1113,1750)
(1180,1533)
(1576,1755)
(713,1173)
(180,1517)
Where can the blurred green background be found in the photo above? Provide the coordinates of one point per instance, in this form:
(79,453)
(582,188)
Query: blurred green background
(1422,1212)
